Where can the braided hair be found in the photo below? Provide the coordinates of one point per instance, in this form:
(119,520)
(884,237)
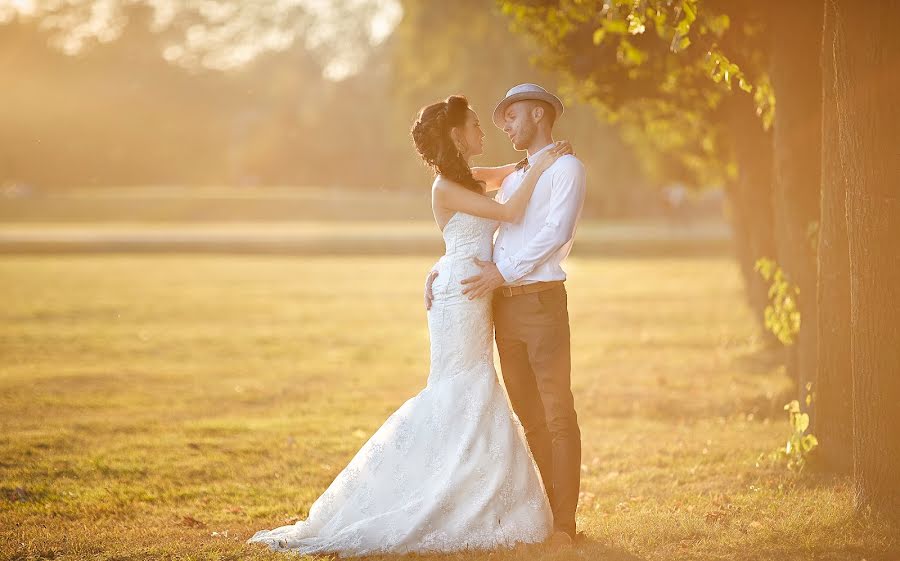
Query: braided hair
(431,134)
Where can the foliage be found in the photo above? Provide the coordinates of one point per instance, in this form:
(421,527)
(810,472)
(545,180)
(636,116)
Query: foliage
(221,35)
(764,99)
(782,315)
(657,65)
(800,444)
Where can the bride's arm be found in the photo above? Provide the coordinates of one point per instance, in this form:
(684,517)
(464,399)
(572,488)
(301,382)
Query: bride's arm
(453,197)
(493,177)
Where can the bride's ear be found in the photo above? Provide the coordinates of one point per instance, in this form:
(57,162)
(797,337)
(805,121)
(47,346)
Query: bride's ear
(458,142)
(454,136)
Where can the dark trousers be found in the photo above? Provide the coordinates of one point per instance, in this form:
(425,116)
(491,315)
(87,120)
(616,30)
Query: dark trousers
(532,332)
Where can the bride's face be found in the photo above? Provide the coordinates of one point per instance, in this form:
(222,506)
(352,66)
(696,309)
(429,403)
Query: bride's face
(469,136)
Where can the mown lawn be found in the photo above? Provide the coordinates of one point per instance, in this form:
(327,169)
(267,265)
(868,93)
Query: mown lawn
(167,406)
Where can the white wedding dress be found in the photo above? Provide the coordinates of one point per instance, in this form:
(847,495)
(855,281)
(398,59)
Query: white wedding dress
(450,470)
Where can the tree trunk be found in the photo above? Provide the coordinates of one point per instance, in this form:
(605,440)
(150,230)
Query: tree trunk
(750,197)
(797,79)
(742,229)
(833,422)
(867,51)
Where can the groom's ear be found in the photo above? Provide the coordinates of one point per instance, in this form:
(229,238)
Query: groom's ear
(543,111)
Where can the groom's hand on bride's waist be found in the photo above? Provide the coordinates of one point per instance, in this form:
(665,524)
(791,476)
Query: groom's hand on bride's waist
(485,282)
(429,295)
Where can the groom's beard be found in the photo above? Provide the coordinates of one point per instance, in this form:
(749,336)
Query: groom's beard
(525,138)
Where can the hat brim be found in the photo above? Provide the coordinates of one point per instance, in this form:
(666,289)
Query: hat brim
(540,96)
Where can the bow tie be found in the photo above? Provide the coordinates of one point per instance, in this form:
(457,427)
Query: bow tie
(523,165)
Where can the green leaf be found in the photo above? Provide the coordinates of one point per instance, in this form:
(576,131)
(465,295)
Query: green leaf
(802,422)
(809,442)
(630,55)
(615,26)
(719,24)
(599,34)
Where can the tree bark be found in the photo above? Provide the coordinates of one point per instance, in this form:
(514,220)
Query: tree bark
(867,51)
(833,420)
(797,79)
(750,196)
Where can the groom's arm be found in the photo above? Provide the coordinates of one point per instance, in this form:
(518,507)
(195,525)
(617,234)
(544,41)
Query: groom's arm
(566,199)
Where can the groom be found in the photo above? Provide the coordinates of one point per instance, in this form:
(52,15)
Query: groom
(531,319)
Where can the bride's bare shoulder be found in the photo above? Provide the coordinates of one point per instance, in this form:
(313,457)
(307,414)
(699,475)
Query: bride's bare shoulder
(445,186)
(441,182)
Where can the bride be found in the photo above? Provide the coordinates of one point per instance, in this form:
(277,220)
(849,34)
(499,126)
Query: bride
(450,470)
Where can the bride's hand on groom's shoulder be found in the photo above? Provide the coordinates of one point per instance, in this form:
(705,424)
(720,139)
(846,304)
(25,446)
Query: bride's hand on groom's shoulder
(566,147)
(547,158)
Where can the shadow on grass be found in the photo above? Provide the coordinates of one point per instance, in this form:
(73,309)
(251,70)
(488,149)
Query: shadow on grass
(761,360)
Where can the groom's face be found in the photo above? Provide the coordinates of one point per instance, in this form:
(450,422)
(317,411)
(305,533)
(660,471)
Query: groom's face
(519,124)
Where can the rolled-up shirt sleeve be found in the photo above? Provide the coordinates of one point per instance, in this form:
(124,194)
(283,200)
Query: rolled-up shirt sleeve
(567,192)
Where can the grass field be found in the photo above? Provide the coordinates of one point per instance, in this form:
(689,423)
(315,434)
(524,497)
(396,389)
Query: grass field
(167,406)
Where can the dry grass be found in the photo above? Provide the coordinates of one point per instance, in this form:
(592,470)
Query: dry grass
(165,407)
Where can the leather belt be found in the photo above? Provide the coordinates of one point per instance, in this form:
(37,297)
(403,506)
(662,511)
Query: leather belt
(528,288)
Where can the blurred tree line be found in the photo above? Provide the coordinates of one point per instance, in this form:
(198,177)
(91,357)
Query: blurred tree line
(144,104)
(119,113)
(793,105)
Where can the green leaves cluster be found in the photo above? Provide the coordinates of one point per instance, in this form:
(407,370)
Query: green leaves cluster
(655,65)
(782,315)
(800,444)
(722,70)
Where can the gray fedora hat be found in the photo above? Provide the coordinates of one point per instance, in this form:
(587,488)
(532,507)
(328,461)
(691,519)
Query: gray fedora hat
(525,91)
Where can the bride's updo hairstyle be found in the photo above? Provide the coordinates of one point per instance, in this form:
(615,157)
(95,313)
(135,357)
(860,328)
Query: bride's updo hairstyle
(431,133)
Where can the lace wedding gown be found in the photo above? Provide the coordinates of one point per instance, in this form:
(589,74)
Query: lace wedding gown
(450,469)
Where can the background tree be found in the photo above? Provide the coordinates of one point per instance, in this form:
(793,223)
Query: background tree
(796,31)
(834,422)
(866,51)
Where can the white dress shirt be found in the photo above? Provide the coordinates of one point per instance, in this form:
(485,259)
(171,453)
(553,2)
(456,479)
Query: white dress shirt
(533,249)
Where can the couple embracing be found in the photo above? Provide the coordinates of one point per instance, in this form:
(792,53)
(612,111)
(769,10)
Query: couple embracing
(454,468)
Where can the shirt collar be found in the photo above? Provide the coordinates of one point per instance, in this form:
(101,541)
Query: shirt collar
(534,156)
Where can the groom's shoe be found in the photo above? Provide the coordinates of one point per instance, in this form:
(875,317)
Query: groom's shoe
(560,539)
